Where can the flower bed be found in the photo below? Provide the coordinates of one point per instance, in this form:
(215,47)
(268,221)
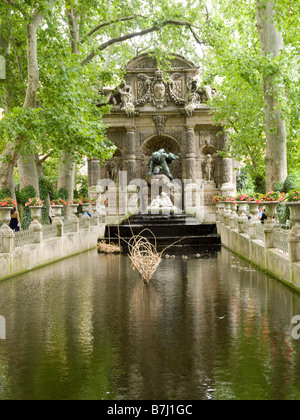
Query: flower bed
(59,202)
(293,197)
(274,196)
(8,202)
(34,202)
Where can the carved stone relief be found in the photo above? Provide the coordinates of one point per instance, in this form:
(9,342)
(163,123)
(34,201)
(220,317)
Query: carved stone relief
(157,91)
(160,122)
(208,142)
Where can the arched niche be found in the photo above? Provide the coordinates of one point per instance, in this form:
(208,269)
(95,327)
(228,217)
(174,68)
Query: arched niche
(155,143)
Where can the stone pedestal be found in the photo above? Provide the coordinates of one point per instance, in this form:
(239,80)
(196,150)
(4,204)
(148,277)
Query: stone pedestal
(59,225)
(116,200)
(7,236)
(210,190)
(294,244)
(192,199)
(37,229)
(57,222)
(132,199)
(269,236)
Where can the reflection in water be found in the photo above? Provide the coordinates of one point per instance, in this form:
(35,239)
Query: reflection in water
(88,328)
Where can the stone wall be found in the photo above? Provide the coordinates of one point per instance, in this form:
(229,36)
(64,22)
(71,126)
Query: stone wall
(33,256)
(271,260)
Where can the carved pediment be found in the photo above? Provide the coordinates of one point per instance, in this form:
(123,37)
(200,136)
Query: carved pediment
(146,85)
(144,62)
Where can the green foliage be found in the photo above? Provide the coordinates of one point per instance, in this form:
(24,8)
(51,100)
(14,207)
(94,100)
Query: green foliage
(46,189)
(26,193)
(5,193)
(283,213)
(245,184)
(22,198)
(291,183)
(224,43)
(82,189)
(279,186)
(63,193)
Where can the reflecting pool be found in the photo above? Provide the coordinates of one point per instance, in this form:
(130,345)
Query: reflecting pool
(208,328)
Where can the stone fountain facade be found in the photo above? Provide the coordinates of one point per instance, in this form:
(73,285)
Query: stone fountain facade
(151,113)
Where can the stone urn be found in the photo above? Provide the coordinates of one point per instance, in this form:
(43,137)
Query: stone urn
(253,209)
(36,212)
(57,210)
(243,218)
(233,220)
(219,207)
(221,211)
(5,216)
(85,207)
(295,212)
(243,209)
(73,209)
(270,207)
(227,212)
(94,208)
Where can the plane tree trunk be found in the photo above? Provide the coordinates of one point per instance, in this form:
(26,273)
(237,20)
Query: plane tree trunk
(271,41)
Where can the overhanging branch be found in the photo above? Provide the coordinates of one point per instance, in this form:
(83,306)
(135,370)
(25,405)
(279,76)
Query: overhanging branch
(111,22)
(144,32)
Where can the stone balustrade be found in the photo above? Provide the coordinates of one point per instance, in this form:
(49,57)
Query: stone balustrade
(273,248)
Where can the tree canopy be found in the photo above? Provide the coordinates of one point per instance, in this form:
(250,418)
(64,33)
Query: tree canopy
(82,46)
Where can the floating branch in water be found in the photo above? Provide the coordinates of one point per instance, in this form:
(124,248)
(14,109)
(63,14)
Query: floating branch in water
(105,248)
(144,255)
(109,248)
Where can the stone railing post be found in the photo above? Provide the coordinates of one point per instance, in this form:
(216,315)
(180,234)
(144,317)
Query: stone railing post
(8,244)
(74,217)
(268,230)
(37,233)
(75,221)
(242,220)
(233,220)
(294,244)
(59,224)
(87,221)
(227,214)
(35,226)
(252,228)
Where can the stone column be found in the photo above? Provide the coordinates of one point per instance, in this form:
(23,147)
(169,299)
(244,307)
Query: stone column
(228,189)
(94,172)
(190,154)
(129,154)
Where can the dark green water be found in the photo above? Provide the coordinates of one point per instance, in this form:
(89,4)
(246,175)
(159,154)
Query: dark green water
(88,328)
